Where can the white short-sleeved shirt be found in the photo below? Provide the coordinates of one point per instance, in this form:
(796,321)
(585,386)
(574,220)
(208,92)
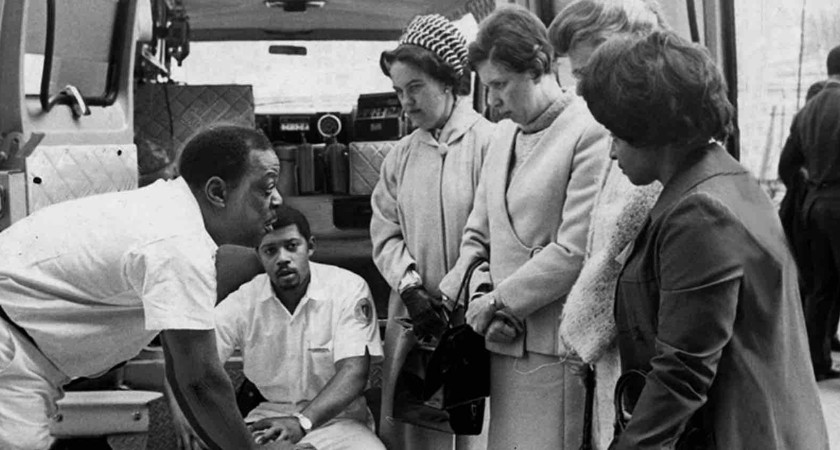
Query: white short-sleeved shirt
(291,357)
(93,280)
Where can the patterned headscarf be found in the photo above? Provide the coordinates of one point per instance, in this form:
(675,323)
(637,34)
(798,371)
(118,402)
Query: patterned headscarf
(438,35)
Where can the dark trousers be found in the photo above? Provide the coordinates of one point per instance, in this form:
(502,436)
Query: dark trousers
(822,304)
(794,224)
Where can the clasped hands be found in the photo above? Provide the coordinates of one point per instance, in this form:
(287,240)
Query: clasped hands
(497,324)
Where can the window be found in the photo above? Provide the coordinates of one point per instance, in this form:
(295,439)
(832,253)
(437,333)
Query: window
(771,80)
(329,78)
(74,43)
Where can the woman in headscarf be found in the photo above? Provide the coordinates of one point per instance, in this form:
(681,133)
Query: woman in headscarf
(423,198)
(530,222)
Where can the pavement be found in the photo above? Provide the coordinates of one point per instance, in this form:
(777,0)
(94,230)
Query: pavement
(830,396)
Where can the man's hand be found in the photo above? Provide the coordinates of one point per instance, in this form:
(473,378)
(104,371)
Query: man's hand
(277,428)
(480,313)
(425,311)
(188,439)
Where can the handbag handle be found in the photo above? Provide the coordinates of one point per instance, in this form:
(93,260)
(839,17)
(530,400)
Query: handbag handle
(465,283)
(621,419)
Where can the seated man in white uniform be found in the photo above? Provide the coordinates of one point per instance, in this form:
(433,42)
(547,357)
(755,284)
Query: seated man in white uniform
(308,333)
(86,284)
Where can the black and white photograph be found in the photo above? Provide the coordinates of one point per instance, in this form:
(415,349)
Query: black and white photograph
(419,225)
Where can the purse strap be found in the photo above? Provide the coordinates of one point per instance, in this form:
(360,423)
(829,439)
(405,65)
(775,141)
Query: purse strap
(621,386)
(465,283)
(589,385)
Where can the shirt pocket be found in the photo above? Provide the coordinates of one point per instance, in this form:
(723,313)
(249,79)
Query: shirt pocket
(318,352)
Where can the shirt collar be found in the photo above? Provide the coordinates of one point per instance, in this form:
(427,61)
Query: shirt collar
(709,162)
(833,83)
(460,121)
(316,291)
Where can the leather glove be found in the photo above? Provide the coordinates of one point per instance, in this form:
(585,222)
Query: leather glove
(425,311)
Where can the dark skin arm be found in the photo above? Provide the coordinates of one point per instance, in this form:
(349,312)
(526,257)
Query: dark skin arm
(186,436)
(203,389)
(235,265)
(346,385)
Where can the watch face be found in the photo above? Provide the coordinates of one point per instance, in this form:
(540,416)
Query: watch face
(305,423)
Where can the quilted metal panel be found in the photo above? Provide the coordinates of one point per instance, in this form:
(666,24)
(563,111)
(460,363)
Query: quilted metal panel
(58,173)
(166,116)
(365,160)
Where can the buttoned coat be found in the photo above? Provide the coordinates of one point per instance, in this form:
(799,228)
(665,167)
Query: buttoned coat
(420,205)
(708,305)
(533,230)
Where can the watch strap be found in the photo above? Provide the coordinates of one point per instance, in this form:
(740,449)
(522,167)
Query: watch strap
(305,423)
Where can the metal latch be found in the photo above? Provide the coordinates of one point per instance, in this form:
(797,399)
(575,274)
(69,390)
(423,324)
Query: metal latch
(11,148)
(77,102)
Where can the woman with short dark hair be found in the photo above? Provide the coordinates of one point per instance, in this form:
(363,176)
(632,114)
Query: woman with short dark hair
(530,221)
(710,326)
(423,198)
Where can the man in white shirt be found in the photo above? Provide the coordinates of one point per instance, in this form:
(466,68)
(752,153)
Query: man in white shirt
(85,284)
(307,332)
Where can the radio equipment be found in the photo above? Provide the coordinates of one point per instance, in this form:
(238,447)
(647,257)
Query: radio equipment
(379,118)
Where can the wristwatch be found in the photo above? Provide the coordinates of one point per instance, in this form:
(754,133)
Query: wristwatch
(305,423)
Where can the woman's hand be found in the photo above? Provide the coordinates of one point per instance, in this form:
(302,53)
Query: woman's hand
(276,428)
(425,311)
(480,312)
(505,327)
(501,331)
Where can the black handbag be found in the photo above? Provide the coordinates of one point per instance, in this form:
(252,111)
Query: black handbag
(629,386)
(448,392)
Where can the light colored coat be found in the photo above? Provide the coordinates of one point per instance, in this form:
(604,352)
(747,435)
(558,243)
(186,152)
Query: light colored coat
(534,231)
(587,325)
(424,196)
(420,206)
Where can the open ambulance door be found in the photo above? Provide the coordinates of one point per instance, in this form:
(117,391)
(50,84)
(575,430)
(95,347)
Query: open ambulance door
(65,87)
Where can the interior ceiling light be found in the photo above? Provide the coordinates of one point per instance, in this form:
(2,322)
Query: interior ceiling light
(295,5)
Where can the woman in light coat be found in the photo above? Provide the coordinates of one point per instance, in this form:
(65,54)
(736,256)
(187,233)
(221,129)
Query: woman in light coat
(422,201)
(587,326)
(530,221)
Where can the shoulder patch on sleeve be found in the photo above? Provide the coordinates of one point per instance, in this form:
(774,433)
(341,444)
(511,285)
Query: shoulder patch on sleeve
(363,312)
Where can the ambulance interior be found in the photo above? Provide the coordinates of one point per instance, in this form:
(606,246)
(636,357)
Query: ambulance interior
(98,96)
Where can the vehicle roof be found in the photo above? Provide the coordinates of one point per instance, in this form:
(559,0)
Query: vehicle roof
(335,20)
